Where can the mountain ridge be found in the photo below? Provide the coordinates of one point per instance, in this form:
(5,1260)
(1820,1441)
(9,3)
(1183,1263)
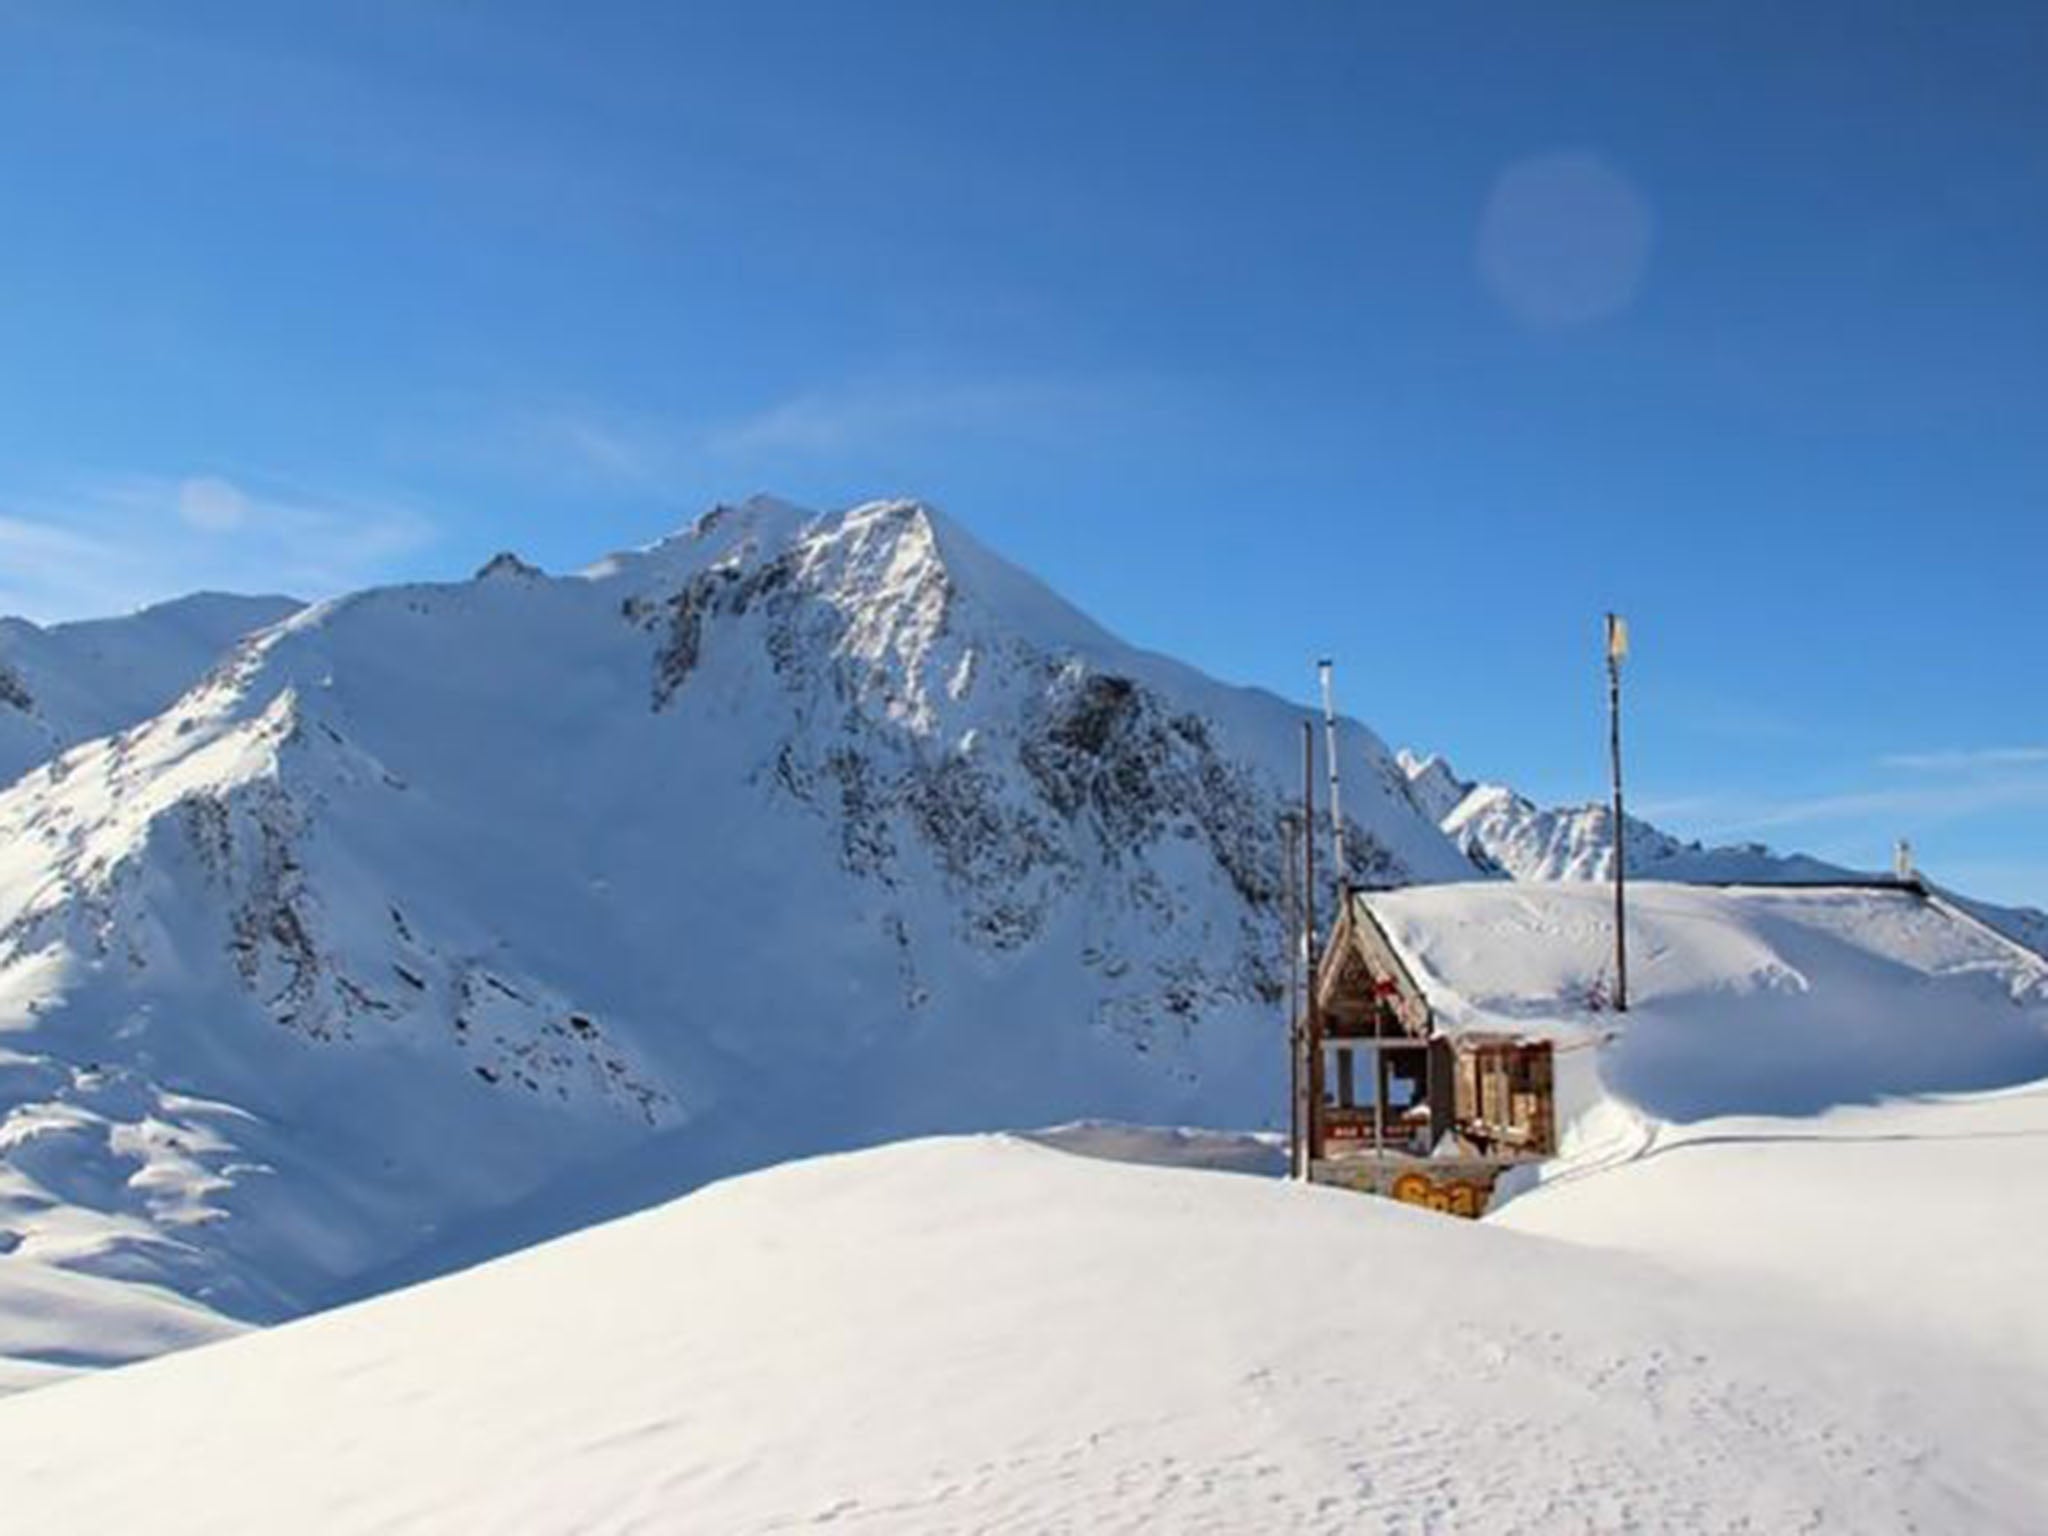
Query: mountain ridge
(789,832)
(62,684)
(1503,831)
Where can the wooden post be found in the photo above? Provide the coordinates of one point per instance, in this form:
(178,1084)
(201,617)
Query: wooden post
(1379,1085)
(1295,952)
(1617,647)
(1340,864)
(1443,1089)
(1312,1012)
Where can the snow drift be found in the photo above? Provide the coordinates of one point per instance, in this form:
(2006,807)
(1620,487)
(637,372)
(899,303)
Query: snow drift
(984,1334)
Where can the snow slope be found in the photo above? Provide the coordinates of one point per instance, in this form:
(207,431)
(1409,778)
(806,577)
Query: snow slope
(2027,926)
(71,682)
(54,1322)
(444,917)
(1782,1102)
(985,1334)
(1915,1215)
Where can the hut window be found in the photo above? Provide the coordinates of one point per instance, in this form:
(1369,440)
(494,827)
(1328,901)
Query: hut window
(1404,1078)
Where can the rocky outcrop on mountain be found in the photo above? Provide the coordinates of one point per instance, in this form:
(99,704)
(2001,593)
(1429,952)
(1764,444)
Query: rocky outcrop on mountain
(14,692)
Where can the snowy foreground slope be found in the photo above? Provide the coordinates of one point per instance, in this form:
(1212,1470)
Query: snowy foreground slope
(1783,1102)
(67,683)
(55,1322)
(790,833)
(1917,1216)
(985,1334)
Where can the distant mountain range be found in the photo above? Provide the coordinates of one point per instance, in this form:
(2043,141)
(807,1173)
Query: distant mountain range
(1504,832)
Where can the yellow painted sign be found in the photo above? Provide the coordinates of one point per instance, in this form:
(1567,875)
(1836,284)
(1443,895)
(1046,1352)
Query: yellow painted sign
(1454,1197)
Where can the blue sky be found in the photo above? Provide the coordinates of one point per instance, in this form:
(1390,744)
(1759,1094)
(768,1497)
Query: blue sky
(1419,335)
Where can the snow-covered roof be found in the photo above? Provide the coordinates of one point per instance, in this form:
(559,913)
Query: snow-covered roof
(1741,999)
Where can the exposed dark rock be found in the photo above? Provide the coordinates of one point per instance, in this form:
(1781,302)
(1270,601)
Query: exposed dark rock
(506,564)
(14,692)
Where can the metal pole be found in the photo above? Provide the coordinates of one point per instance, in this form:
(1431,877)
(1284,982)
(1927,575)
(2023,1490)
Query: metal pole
(1620,836)
(1311,1012)
(1342,866)
(1290,904)
(1379,1098)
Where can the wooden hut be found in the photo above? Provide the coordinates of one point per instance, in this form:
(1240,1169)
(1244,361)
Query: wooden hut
(1396,1105)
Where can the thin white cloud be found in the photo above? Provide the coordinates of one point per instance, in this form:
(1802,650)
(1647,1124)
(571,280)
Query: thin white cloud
(48,570)
(1662,808)
(1968,759)
(114,543)
(567,446)
(1947,785)
(31,542)
(1919,804)
(606,448)
(864,426)
(888,414)
(2019,882)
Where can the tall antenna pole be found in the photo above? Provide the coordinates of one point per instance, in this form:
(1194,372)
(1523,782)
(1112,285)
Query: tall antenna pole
(1342,866)
(1617,648)
(1311,1012)
(1297,956)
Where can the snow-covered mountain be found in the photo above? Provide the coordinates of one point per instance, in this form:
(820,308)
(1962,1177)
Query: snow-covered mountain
(1504,832)
(1432,783)
(71,682)
(790,832)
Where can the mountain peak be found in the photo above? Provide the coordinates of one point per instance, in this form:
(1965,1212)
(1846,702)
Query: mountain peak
(760,514)
(505,565)
(1433,785)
